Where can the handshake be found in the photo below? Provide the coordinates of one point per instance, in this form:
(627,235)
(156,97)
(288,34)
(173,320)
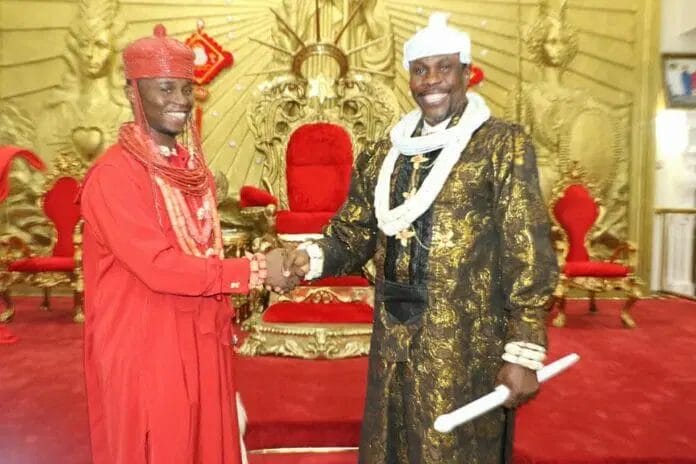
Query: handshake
(285,269)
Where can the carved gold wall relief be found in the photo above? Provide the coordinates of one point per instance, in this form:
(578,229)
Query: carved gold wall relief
(368,39)
(569,124)
(82,116)
(73,122)
(20,214)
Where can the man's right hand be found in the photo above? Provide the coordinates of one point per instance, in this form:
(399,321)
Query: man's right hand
(297,262)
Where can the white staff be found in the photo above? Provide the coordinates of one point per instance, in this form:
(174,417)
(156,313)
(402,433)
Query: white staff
(446,422)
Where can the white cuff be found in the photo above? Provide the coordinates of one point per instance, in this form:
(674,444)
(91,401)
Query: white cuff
(529,355)
(316,259)
(524,362)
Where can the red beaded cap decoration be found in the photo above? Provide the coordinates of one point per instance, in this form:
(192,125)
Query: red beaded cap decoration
(158,56)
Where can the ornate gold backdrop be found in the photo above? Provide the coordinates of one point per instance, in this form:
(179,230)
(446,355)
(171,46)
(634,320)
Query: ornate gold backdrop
(579,74)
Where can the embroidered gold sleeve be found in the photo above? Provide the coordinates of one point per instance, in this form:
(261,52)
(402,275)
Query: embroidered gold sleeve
(350,237)
(528,263)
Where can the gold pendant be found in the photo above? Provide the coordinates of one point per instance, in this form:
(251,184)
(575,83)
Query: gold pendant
(417,160)
(404,236)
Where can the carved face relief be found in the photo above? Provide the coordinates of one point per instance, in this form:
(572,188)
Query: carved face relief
(554,45)
(96,51)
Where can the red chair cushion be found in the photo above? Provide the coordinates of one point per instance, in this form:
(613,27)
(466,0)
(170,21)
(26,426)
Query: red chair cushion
(576,211)
(319,162)
(331,313)
(343,281)
(254,196)
(291,222)
(595,269)
(43,264)
(61,207)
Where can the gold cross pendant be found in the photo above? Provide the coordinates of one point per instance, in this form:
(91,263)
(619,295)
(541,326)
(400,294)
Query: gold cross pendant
(410,194)
(417,160)
(404,236)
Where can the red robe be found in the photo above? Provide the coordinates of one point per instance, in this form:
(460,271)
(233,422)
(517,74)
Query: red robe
(158,360)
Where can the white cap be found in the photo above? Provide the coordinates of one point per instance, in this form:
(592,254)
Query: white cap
(437,39)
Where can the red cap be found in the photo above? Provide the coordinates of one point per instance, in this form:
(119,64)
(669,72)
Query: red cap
(158,56)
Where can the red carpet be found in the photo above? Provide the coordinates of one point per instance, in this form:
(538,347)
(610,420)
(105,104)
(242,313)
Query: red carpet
(630,400)
(298,402)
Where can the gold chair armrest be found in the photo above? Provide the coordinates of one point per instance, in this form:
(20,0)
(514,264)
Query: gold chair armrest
(263,217)
(263,226)
(77,243)
(13,248)
(626,253)
(560,245)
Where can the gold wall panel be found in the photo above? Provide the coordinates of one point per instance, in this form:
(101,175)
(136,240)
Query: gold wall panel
(611,74)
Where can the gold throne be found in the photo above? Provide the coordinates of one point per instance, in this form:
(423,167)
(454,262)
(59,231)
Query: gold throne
(22,263)
(576,209)
(309,124)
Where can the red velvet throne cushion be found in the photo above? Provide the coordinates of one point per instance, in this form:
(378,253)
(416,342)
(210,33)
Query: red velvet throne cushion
(61,207)
(323,313)
(595,269)
(43,264)
(254,196)
(576,211)
(319,160)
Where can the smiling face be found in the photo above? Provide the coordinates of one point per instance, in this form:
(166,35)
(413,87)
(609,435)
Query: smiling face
(438,84)
(167,104)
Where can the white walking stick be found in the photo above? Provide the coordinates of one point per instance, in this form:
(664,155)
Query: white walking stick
(447,422)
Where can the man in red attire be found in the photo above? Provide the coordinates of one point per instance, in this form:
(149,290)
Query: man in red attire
(157,332)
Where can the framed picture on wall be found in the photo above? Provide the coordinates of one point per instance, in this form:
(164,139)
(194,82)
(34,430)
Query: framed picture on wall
(679,74)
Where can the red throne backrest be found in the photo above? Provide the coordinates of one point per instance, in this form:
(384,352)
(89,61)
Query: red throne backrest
(319,162)
(61,208)
(576,211)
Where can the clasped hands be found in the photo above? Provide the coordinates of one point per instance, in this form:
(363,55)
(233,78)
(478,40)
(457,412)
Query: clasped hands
(285,269)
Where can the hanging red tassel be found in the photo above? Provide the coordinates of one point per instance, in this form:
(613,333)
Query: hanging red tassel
(200,94)
(199,119)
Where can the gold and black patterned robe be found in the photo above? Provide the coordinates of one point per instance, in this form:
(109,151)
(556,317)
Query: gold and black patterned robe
(482,257)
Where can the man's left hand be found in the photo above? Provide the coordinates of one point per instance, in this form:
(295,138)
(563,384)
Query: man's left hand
(522,382)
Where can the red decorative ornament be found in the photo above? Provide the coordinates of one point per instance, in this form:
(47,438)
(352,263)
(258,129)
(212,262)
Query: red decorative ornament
(476,76)
(210,57)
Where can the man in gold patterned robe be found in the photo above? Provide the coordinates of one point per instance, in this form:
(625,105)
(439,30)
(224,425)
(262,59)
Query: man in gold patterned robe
(450,210)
